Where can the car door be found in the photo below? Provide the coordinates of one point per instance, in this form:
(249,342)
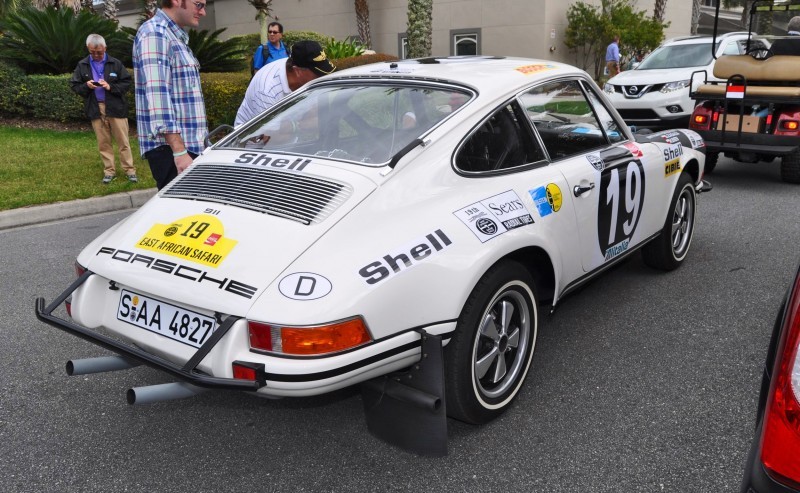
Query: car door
(604,172)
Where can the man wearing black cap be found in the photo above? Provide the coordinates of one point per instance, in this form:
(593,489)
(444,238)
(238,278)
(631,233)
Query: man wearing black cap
(279,78)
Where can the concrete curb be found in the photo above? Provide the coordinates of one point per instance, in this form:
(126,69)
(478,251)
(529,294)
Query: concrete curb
(26,216)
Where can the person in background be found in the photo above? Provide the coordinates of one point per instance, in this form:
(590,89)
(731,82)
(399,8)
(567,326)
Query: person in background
(170,110)
(612,57)
(278,79)
(273,49)
(102,81)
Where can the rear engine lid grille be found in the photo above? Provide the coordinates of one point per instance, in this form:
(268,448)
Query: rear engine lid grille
(286,194)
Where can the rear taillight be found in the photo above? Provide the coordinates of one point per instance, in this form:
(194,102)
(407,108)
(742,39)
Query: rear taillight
(701,118)
(780,442)
(79,269)
(310,340)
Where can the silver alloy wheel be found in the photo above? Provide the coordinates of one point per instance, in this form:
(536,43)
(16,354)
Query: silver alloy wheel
(683,222)
(499,353)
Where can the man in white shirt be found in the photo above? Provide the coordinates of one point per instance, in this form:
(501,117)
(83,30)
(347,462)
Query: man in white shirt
(279,78)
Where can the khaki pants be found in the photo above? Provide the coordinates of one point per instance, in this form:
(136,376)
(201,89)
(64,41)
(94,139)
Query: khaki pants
(613,68)
(106,127)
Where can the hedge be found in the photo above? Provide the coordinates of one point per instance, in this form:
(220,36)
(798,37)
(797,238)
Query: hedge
(49,96)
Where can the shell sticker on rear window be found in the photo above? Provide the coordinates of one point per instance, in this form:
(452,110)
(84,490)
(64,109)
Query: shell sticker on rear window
(494,216)
(199,238)
(547,199)
(532,69)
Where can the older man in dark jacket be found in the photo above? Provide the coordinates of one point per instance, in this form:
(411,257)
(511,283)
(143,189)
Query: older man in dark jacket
(102,81)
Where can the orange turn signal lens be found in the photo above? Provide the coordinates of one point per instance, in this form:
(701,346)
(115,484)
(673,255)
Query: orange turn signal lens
(701,119)
(324,339)
(308,341)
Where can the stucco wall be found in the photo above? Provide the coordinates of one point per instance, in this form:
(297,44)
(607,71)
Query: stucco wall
(530,28)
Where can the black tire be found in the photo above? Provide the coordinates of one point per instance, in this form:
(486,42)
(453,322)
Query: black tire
(487,361)
(711,162)
(790,167)
(667,251)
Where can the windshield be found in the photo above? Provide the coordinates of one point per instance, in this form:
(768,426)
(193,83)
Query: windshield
(678,56)
(367,124)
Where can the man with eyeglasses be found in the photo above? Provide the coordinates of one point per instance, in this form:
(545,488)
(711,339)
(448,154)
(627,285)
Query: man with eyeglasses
(170,110)
(273,49)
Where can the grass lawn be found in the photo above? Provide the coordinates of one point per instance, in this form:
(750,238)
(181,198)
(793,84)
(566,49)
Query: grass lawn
(46,166)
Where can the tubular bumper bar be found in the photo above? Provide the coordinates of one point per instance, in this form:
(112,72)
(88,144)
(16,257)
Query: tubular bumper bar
(186,373)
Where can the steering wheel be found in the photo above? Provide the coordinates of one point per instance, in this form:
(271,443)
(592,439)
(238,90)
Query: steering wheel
(760,53)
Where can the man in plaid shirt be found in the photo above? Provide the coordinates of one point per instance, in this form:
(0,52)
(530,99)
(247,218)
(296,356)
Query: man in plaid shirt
(170,111)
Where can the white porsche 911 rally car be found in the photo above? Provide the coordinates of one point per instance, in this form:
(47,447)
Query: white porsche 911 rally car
(323,243)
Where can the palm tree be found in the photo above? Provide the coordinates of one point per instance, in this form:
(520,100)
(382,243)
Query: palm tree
(659,10)
(58,4)
(420,29)
(110,10)
(695,24)
(88,6)
(8,6)
(264,8)
(362,18)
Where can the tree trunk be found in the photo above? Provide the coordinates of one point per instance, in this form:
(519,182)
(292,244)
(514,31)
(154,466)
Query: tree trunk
(659,10)
(362,18)
(420,28)
(110,10)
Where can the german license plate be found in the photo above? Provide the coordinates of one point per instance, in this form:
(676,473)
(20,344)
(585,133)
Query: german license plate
(162,318)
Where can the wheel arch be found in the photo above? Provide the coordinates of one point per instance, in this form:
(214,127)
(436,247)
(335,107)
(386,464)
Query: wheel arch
(693,168)
(540,266)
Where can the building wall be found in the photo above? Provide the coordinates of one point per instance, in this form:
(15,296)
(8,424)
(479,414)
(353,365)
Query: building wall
(529,28)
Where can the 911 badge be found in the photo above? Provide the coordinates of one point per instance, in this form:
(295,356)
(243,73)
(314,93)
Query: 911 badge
(495,215)
(199,238)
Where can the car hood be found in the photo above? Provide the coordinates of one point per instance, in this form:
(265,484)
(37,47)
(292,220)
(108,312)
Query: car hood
(212,237)
(648,77)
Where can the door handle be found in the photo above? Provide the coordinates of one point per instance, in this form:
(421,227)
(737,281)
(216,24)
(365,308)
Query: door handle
(579,190)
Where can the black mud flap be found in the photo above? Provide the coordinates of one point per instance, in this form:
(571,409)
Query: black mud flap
(407,409)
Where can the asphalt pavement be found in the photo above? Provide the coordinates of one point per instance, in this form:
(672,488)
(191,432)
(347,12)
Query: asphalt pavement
(26,216)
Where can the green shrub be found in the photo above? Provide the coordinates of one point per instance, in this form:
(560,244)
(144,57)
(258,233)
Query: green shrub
(223,93)
(11,78)
(343,49)
(53,41)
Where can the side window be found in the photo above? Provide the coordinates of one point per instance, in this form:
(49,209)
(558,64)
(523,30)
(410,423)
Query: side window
(502,142)
(607,122)
(564,119)
(734,48)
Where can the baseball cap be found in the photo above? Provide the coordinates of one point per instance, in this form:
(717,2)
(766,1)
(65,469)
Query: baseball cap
(309,54)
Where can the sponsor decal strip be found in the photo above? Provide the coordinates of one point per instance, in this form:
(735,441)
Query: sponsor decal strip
(495,215)
(260,159)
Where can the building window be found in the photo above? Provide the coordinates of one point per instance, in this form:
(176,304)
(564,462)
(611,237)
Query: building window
(465,42)
(402,46)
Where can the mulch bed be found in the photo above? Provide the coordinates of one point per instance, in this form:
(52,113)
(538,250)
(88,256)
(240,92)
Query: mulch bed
(46,124)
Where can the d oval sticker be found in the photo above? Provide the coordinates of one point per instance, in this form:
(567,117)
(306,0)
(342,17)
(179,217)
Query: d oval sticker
(304,286)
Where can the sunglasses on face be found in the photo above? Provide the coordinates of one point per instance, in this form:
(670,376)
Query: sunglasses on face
(274,32)
(199,5)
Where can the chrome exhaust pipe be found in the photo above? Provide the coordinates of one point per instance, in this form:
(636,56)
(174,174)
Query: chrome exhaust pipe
(99,365)
(162,392)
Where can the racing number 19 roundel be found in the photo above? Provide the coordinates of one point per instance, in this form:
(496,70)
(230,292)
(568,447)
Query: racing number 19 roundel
(621,198)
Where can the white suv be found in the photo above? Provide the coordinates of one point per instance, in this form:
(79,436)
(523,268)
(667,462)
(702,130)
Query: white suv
(655,94)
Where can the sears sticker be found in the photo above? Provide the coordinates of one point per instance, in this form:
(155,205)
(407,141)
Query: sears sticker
(200,239)
(547,199)
(494,216)
(305,286)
